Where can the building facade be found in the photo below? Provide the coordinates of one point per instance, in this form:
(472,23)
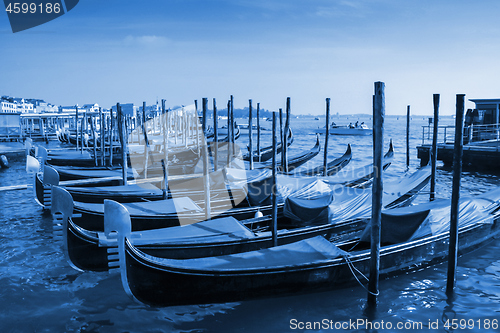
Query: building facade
(15,105)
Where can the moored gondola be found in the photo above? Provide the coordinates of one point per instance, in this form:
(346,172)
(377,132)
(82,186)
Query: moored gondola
(294,161)
(412,238)
(332,167)
(266,153)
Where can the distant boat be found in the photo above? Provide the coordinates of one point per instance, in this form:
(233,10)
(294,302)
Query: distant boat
(359,130)
(316,118)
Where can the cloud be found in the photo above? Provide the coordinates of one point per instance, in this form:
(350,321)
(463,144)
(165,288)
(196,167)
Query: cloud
(149,40)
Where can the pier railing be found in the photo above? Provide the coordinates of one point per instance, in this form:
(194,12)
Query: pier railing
(474,135)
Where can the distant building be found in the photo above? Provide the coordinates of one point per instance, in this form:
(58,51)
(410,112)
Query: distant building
(15,105)
(90,107)
(84,108)
(70,108)
(40,106)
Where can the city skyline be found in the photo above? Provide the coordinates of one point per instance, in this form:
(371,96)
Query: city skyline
(129,52)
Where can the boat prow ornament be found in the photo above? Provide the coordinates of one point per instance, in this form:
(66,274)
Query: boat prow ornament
(61,210)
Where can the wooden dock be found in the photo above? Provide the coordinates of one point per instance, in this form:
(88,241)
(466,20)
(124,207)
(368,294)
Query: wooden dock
(477,155)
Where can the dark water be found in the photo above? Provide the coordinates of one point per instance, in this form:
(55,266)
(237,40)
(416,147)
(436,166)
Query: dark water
(39,292)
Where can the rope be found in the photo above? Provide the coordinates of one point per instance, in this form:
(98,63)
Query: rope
(351,267)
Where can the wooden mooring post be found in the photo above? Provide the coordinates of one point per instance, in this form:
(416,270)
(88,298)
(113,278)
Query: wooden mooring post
(76,126)
(197,122)
(455,194)
(434,147)
(204,108)
(164,128)
(258,131)
(82,128)
(232,126)
(285,137)
(281,131)
(111,133)
(327,135)
(228,132)
(102,134)
(216,138)
(206,181)
(123,140)
(273,187)
(146,140)
(377,190)
(407,137)
(250,142)
(94,137)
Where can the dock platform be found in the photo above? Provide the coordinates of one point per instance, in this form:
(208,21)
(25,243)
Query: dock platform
(484,156)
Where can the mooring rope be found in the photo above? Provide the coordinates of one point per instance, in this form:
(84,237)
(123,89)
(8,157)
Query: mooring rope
(351,267)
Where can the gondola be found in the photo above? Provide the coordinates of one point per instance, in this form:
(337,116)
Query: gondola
(237,133)
(266,153)
(408,243)
(346,212)
(352,177)
(85,158)
(293,161)
(136,190)
(332,167)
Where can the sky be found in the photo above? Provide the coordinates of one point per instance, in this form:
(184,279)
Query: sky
(266,50)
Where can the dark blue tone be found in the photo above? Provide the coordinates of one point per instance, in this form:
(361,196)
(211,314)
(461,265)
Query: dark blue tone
(41,293)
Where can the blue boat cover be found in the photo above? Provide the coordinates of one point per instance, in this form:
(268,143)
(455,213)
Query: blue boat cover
(83,172)
(320,203)
(217,230)
(144,209)
(304,252)
(120,190)
(411,223)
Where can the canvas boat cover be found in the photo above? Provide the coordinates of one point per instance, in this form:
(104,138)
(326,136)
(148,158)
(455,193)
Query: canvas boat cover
(120,190)
(304,252)
(211,231)
(69,154)
(82,172)
(144,209)
(259,190)
(320,203)
(415,222)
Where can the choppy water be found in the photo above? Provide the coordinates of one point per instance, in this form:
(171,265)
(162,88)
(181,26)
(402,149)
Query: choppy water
(40,293)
